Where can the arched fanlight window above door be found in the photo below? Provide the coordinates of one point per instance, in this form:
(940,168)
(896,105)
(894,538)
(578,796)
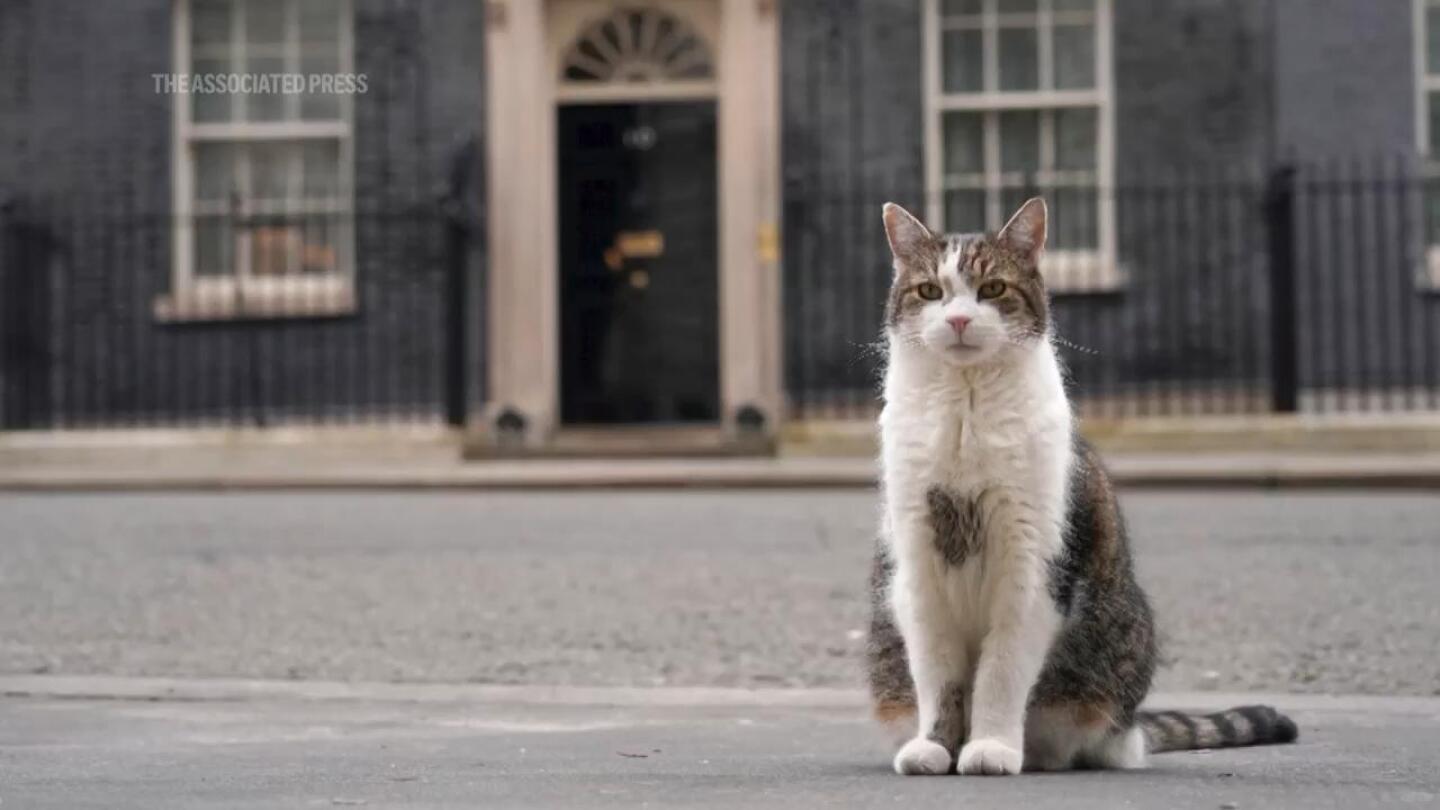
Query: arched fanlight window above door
(637,45)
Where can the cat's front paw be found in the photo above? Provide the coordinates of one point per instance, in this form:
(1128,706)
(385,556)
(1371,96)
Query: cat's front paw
(922,757)
(990,757)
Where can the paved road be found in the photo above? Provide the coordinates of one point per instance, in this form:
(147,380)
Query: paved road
(1316,592)
(146,755)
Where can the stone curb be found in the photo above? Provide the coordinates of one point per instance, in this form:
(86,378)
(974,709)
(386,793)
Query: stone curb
(1394,471)
(99,687)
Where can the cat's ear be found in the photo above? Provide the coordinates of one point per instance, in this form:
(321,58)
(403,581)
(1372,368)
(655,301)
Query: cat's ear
(908,236)
(1025,232)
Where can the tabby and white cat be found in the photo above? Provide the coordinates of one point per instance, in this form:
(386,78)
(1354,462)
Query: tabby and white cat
(1008,630)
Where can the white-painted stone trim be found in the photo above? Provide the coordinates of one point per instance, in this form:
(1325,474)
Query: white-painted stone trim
(524,42)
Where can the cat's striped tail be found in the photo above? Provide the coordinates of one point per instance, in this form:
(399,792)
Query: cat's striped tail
(1243,725)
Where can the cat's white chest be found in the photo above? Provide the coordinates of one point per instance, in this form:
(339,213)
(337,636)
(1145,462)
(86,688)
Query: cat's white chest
(986,450)
(1004,436)
(967,448)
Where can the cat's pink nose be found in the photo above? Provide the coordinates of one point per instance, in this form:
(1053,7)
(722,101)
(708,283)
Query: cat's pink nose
(958,323)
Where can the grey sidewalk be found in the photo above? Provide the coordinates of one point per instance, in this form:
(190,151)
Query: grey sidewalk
(116,743)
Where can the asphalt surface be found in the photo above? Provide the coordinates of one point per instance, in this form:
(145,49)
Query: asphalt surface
(150,755)
(1319,592)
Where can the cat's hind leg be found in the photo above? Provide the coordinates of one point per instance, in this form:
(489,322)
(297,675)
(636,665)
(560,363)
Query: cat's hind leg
(1055,737)
(1052,739)
(1079,735)
(1119,750)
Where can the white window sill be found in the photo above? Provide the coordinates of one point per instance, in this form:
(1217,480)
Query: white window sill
(1429,280)
(232,300)
(1080,271)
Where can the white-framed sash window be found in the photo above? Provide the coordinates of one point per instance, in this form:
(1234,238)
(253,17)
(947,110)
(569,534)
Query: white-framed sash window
(1427,130)
(263,179)
(1019,102)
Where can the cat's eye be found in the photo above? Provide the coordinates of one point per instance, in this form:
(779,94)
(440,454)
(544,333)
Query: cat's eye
(929,291)
(991,289)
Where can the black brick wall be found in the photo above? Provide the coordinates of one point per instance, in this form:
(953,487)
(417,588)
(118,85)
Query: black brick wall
(1205,90)
(85,145)
(1192,84)
(852,109)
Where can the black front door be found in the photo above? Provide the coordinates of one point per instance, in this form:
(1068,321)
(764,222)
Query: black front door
(638,319)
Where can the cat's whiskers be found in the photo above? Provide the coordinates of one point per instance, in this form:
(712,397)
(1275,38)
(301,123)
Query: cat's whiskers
(1077,347)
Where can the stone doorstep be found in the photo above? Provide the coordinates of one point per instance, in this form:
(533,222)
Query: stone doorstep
(625,442)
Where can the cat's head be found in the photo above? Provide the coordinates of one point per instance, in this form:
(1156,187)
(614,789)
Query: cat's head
(967,298)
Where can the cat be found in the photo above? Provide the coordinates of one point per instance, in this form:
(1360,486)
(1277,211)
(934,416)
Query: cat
(1008,630)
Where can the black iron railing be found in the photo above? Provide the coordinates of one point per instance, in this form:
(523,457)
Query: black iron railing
(278,319)
(1309,287)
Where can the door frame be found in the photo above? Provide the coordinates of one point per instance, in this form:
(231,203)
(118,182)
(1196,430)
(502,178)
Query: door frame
(682,276)
(522,392)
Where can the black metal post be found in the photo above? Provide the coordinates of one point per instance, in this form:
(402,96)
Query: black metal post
(1284,340)
(26,329)
(460,216)
(456,304)
(9,333)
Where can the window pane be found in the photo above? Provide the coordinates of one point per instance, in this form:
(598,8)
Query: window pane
(210,107)
(318,252)
(214,172)
(964,142)
(962,62)
(321,171)
(214,247)
(210,27)
(260,105)
(1016,6)
(1432,39)
(319,22)
(1010,201)
(1074,57)
(959,7)
(1075,138)
(1019,59)
(319,105)
(264,23)
(964,211)
(1074,223)
(1020,141)
(270,172)
(274,248)
(320,57)
(1434,111)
